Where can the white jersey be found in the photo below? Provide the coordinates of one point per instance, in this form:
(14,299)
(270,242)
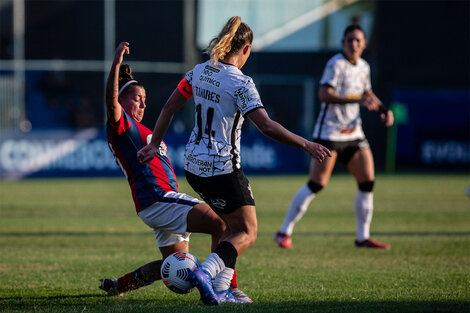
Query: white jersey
(222,96)
(342,122)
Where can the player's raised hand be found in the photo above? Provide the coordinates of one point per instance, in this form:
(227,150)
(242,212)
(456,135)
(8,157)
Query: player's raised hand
(147,153)
(122,48)
(317,151)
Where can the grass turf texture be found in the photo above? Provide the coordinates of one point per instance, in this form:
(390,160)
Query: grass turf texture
(58,237)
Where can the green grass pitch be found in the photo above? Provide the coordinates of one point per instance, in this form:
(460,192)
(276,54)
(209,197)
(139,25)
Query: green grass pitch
(58,237)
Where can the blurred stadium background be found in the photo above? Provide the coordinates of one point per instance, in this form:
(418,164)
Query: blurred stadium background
(55,56)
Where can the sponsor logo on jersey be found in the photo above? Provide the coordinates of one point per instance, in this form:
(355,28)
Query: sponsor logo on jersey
(353,96)
(162,149)
(210,68)
(246,95)
(203,166)
(206,94)
(240,94)
(347,130)
(209,80)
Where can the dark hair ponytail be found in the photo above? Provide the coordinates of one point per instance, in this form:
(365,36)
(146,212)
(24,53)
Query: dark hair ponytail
(126,79)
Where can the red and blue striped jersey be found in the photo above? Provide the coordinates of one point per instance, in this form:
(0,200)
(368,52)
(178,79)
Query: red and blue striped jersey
(149,182)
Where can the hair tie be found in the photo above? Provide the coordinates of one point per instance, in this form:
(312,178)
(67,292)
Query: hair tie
(125,85)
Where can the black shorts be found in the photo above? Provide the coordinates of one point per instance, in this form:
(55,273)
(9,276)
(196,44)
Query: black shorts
(345,149)
(224,193)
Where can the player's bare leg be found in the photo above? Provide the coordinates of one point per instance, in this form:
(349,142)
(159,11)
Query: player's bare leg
(142,276)
(201,219)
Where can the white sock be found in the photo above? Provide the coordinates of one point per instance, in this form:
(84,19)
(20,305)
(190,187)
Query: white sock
(363,207)
(223,279)
(213,265)
(297,209)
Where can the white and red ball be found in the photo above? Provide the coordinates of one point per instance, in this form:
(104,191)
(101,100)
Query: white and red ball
(175,270)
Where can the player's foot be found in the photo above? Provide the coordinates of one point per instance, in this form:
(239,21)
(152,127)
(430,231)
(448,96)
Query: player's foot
(203,282)
(240,295)
(369,243)
(110,286)
(283,240)
(226,297)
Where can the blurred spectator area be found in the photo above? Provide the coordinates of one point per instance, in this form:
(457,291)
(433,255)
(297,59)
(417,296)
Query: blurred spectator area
(61,100)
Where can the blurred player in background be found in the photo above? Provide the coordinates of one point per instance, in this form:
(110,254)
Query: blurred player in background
(223,97)
(344,87)
(172,215)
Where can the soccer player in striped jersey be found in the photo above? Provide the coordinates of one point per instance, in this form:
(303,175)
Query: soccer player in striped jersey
(223,98)
(344,87)
(171,214)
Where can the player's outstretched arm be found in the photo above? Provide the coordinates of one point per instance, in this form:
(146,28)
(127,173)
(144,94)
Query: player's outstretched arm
(113,108)
(327,94)
(277,132)
(174,103)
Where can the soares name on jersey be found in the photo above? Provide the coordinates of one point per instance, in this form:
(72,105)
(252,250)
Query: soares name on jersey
(206,94)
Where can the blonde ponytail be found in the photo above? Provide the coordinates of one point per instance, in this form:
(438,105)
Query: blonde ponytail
(222,44)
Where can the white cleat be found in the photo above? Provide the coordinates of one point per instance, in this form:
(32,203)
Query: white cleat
(240,295)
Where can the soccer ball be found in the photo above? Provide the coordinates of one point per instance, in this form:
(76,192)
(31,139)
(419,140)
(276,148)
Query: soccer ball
(175,270)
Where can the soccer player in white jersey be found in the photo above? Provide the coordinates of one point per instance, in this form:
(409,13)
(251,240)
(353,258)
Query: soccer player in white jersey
(344,87)
(223,97)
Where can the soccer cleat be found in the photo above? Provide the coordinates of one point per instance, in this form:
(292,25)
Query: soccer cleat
(283,240)
(226,297)
(240,295)
(203,282)
(110,286)
(369,243)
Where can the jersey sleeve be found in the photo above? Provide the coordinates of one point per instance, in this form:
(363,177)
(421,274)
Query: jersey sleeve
(247,97)
(330,74)
(120,126)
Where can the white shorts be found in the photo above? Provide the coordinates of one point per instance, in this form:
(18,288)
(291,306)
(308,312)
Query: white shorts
(168,218)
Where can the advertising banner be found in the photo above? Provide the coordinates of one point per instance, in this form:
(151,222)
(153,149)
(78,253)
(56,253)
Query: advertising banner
(68,153)
(435,135)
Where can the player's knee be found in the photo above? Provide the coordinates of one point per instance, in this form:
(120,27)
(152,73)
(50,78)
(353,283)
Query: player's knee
(314,187)
(252,232)
(367,186)
(252,236)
